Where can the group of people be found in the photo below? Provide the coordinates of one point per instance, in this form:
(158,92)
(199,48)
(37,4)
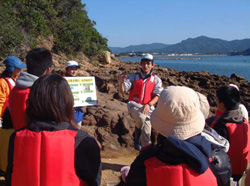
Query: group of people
(47,147)
(192,148)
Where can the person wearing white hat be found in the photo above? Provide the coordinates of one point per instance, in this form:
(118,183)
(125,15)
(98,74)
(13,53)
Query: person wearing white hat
(72,68)
(144,89)
(181,156)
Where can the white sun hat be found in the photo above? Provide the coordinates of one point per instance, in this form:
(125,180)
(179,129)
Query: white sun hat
(178,113)
(72,64)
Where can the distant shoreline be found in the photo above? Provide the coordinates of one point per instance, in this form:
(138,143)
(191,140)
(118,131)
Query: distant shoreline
(178,55)
(214,64)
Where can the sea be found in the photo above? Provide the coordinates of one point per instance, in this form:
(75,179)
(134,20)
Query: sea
(222,65)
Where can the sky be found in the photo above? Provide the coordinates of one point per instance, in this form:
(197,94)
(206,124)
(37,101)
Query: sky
(135,22)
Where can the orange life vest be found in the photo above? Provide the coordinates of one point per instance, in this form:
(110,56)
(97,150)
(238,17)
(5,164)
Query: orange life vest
(142,91)
(239,150)
(160,173)
(45,158)
(11,83)
(17,105)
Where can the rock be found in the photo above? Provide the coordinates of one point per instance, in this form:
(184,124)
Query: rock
(238,78)
(83,73)
(89,120)
(106,119)
(127,140)
(128,124)
(105,57)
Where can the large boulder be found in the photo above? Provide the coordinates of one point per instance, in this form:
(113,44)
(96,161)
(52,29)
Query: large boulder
(105,57)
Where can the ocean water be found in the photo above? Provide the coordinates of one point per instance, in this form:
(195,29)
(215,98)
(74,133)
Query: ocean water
(222,65)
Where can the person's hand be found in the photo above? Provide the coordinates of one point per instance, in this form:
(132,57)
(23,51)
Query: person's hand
(122,78)
(145,109)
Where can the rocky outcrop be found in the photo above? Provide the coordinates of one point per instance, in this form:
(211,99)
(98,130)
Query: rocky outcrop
(109,120)
(105,57)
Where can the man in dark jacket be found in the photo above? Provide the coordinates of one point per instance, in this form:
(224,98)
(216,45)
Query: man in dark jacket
(39,62)
(232,126)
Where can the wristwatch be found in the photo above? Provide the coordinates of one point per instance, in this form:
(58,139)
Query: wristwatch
(150,104)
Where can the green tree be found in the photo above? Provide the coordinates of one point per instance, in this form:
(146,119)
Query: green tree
(22,22)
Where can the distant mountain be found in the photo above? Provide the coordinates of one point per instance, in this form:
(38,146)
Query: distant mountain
(139,48)
(206,45)
(199,45)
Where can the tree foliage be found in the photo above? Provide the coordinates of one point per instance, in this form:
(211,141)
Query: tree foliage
(22,22)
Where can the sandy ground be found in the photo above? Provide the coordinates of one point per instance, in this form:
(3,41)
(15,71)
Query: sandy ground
(112,164)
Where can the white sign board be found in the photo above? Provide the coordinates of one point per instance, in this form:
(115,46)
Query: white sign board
(83,90)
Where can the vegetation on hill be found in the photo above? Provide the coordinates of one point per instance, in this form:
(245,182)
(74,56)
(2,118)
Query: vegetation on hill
(139,48)
(244,53)
(65,21)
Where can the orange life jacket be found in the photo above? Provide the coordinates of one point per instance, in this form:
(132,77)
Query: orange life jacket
(160,173)
(11,83)
(239,150)
(17,105)
(142,91)
(45,158)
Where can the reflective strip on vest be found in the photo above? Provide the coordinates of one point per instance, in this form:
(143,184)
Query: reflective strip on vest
(11,83)
(44,158)
(142,91)
(160,173)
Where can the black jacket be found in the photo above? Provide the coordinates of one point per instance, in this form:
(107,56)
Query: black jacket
(231,116)
(87,152)
(194,151)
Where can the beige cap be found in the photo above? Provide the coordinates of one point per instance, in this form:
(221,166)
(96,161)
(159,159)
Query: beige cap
(204,105)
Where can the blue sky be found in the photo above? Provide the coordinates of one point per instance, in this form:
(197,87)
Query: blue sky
(133,22)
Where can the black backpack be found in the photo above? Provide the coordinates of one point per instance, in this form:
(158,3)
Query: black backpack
(220,165)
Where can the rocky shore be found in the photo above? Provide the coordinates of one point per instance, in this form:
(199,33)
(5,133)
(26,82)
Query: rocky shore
(109,120)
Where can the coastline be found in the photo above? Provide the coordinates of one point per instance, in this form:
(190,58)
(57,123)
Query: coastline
(214,64)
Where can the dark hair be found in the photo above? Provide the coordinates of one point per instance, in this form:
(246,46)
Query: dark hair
(38,60)
(50,99)
(230,96)
(59,72)
(7,121)
(6,73)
